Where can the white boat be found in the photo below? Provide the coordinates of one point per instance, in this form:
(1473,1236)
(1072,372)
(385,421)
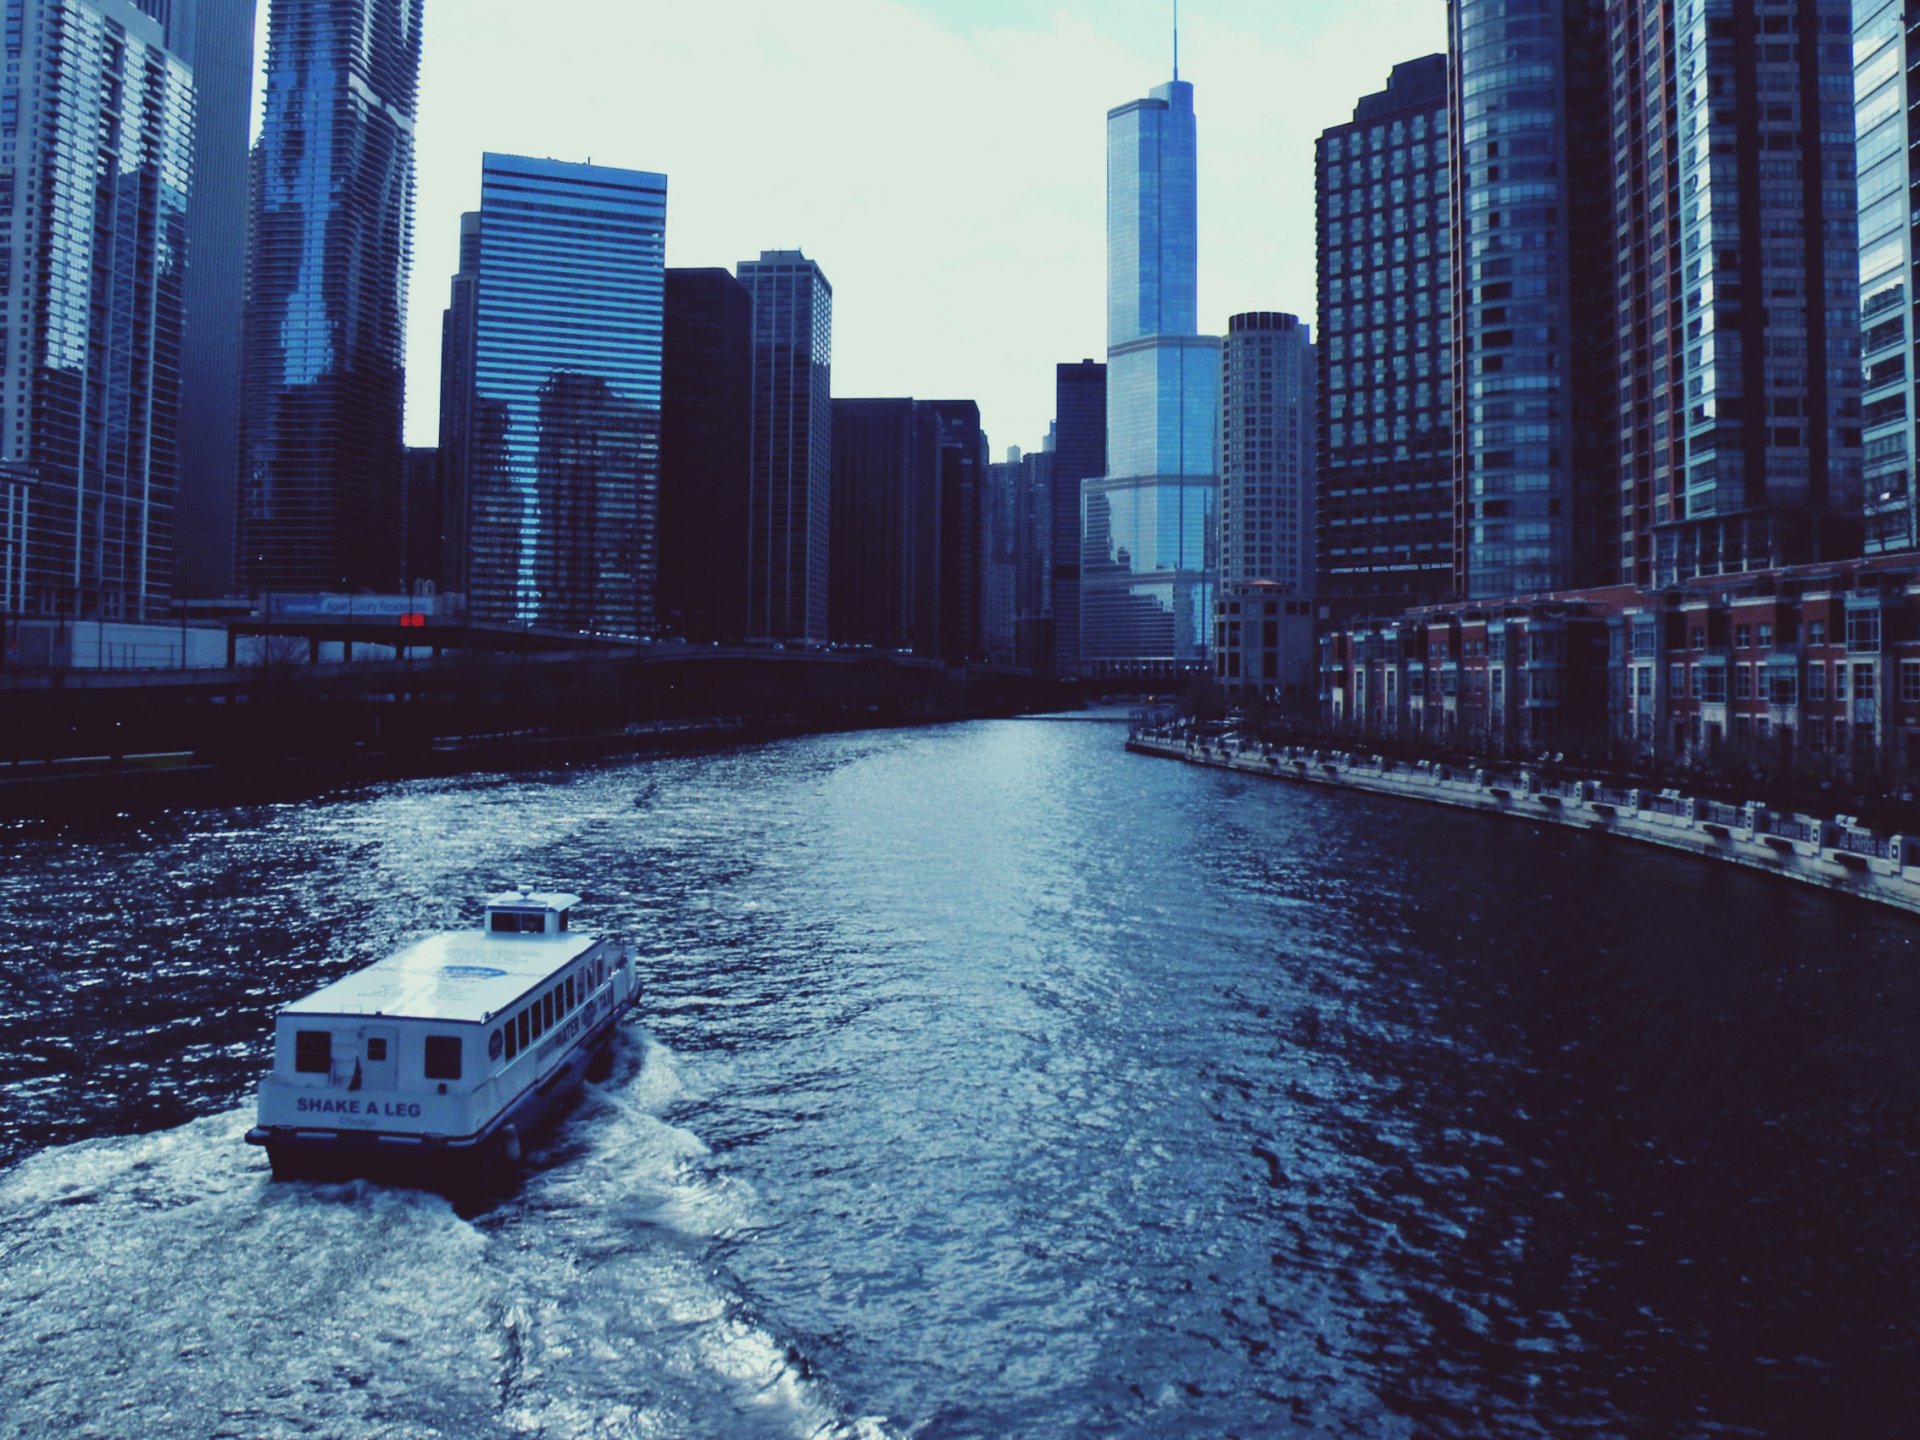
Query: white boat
(436,1065)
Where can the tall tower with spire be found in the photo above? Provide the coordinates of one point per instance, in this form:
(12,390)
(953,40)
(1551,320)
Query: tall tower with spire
(1149,527)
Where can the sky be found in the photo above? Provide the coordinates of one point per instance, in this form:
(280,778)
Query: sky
(943,160)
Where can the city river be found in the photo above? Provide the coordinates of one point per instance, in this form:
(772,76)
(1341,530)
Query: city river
(990,1082)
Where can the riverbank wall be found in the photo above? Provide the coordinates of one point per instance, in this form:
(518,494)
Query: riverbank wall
(1832,854)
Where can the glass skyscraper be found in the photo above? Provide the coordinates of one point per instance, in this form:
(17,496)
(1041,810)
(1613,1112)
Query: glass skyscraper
(790,485)
(1534,486)
(96,129)
(560,457)
(1149,543)
(322,464)
(1883,92)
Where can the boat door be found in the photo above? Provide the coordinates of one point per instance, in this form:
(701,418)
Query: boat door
(379,1057)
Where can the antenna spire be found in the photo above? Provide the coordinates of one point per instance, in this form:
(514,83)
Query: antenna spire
(1176,40)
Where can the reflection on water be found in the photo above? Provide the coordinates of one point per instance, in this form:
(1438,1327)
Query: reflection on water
(998,1083)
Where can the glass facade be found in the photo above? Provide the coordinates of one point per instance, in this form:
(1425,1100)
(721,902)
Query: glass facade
(789,486)
(1149,539)
(563,452)
(96,129)
(1769,288)
(1080,454)
(1531,285)
(1384,510)
(1888,436)
(322,464)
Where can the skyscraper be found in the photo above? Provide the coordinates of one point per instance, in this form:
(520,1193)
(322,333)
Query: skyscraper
(96,117)
(1890,439)
(1737,403)
(1149,547)
(1033,589)
(705,452)
(215,37)
(1384,510)
(789,483)
(1266,453)
(1535,501)
(321,459)
(1079,455)
(562,454)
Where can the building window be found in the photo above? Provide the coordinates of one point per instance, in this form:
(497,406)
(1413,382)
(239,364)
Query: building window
(1863,682)
(1742,636)
(1863,632)
(1698,639)
(1839,682)
(1816,682)
(1763,636)
(1743,682)
(1782,686)
(1816,632)
(1910,681)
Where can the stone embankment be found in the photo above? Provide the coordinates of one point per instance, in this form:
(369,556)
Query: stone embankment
(1834,854)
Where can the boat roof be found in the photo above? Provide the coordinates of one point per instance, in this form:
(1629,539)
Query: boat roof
(462,975)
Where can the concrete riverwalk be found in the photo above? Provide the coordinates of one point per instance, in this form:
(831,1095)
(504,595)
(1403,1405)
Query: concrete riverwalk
(1833,854)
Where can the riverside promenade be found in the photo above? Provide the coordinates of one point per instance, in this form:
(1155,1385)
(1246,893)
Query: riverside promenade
(1834,854)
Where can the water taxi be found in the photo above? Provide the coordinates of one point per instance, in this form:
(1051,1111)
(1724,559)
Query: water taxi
(436,1065)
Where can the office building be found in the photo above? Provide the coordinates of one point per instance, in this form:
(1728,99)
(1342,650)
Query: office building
(905,473)
(215,38)
(789,483)
(1079,455)
(96,132)
(1149,541)
(1384,507)
(999,563)
(705,451)
(1532,254)
(1033,560)
(1737,397)
(321,458)
(1889,413)
(561,455)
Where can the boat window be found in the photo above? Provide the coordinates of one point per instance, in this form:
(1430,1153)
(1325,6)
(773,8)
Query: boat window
(563,918)
(513,1039)
(443,1057)
(525,1025)
(546,1009)
(513,922)
(376,1047)
(569,992)
(313,1051)
(495,1042)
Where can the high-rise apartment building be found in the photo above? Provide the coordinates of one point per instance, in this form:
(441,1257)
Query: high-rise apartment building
(215,37)
(321,458)
(562,453)
(1532,258)
(96,133)
(704,455)
(1736,236)
(789,486)
(1384,510)
(1149,548)
(1079,455)
(1890,403)
(1267,453)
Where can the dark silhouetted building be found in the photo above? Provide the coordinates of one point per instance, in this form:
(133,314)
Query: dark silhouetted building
(789,505)
(1079,454)
(1033,561)
(905,474)
(321,457)
(705,451)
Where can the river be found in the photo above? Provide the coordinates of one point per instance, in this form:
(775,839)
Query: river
(990,1082)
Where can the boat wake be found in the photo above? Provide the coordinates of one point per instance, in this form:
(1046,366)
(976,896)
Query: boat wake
(162,1284)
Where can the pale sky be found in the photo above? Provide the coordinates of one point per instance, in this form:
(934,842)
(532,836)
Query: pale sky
(943,160)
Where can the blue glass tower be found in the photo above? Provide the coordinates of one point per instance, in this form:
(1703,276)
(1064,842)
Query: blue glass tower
(321,462)
(561,454)
(1149,543)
